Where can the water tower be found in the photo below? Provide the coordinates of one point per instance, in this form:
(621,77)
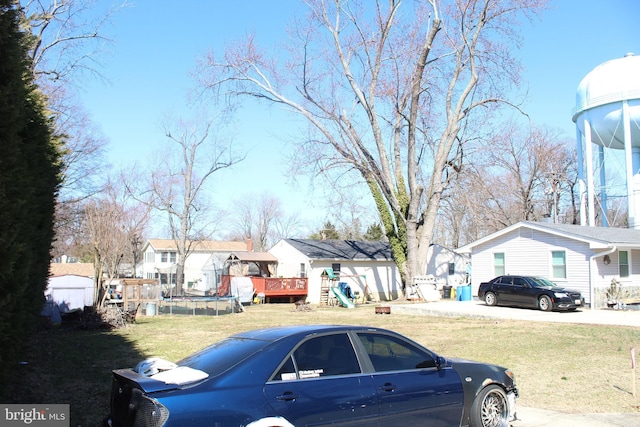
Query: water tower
(607,117)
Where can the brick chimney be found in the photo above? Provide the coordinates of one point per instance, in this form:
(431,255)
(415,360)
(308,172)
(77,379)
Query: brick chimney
(249,245)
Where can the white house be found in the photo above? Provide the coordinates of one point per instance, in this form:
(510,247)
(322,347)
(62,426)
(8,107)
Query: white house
(160,259)
(71,285)
(579,257)
(367,267)
(447,265)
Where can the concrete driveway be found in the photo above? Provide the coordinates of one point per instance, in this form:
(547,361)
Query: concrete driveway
(533,417)
(479,309)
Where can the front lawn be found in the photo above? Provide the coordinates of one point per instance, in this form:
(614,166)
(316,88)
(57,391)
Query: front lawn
(580,368)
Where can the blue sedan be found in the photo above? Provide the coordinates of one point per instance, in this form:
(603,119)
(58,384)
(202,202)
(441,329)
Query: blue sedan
(313,375)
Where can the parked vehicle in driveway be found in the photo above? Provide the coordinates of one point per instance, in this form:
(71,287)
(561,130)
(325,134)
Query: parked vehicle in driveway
(313,375)
(531,292)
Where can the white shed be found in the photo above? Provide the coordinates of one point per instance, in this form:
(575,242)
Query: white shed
(71,286)
(367,267)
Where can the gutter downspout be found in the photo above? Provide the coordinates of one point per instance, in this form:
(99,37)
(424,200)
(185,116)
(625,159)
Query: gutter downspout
(591,284)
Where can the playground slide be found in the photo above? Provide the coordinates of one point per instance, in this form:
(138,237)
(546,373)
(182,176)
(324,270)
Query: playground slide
(343,298)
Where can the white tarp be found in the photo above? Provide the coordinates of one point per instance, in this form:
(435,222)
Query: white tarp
(242,288)
(70,292)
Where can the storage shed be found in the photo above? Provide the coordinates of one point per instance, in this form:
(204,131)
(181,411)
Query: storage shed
(71,286)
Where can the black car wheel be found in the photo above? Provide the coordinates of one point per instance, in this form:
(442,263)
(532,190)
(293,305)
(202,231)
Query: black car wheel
(544,303)
(490,408)
(490,298)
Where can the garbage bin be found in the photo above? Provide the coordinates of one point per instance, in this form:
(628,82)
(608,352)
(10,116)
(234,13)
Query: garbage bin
(151,309)
(446,292)
(464,293)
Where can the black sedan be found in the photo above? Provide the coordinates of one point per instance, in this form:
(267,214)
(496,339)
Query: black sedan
(313,375)
(531,292)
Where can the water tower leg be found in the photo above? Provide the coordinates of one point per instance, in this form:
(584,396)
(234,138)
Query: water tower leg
(633,222)
(603,187)
(631,182)
(581,183)
(590,188)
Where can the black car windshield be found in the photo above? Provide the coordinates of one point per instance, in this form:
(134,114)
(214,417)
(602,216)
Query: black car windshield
(544,283)
(222,355)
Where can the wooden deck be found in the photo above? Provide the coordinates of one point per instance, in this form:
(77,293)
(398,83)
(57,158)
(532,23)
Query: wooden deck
(293,288)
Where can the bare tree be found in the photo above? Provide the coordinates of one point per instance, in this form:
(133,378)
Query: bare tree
(66,36)
(179,178)
(84,168)
(83,172)
(66,39)
(391,92)
(272,222)
(287,226)
(262,219)
(453,221)
(113,224)
(256,217)
(522,174)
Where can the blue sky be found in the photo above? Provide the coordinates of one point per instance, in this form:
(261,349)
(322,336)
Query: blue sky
(157,43)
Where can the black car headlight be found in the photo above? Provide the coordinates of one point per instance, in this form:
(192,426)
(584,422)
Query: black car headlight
(150,413)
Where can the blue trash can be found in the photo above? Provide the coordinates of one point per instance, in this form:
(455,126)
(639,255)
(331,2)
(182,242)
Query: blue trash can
(465,293)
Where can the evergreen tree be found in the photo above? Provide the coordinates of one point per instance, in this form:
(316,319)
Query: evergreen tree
(327,232)
(29,180)
(374,233)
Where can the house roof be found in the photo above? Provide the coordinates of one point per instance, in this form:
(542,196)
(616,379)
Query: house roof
(253,257)
(596,237)
(202,245)
(342,249)
(84,269)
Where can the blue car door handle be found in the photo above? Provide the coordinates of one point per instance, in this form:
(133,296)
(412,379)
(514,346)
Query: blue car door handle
(287,396)
(387,387)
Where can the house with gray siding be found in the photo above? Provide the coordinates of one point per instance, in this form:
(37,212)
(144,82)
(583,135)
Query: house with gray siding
(580,257)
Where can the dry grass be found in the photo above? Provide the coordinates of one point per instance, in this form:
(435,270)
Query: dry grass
(571,368)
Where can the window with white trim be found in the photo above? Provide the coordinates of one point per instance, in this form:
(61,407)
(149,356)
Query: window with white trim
(558,264)
(623,263)
(303,271)
(168,257)
(336,268)
(498,264)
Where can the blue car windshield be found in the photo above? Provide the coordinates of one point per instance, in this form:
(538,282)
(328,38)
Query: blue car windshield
(222,355)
